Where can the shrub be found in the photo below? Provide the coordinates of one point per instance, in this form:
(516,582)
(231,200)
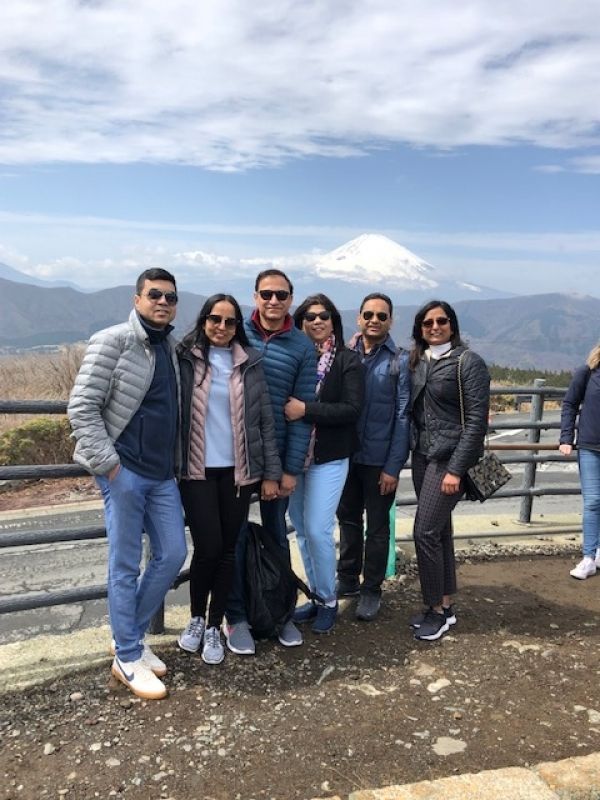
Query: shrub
(43,440)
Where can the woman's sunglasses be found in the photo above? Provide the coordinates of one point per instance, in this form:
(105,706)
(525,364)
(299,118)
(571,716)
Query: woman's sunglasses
(311,316)
(381,315)
(217,319)
(155,294)
(280,294)
(440,321)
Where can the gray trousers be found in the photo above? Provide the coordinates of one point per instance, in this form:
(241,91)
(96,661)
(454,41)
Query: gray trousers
(434,543)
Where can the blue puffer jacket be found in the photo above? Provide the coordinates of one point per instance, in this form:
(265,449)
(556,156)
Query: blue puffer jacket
(384,424)
(290,366)
(583,398)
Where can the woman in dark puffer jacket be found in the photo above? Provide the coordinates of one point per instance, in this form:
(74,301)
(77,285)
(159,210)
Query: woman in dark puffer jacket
(583,400)
(228,446)
(442,451)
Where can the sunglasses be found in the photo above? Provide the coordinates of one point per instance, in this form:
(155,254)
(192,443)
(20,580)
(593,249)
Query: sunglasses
(311,316)
(381,315)
(156,294)
(280,294)
(428,323)
(217,319)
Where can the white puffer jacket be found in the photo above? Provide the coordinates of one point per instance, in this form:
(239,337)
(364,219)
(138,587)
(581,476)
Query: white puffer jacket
(115,375)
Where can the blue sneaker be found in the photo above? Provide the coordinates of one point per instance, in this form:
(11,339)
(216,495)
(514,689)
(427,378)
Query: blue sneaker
(305,612)
(325,619)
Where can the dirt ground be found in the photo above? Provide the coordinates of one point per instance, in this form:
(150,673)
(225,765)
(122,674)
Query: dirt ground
(512,684)
(33,493)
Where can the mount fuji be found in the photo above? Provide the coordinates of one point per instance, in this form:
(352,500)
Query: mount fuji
(373,262)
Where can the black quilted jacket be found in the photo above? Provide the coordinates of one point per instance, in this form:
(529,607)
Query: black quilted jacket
(437,382)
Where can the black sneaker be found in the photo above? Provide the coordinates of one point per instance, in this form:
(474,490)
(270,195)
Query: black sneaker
(368,606)
(433,626)
(347,588)
(418,619)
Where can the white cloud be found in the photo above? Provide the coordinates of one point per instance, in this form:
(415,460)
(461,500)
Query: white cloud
(587,164)
(228,84)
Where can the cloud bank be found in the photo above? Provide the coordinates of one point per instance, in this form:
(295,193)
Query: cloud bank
(230,85)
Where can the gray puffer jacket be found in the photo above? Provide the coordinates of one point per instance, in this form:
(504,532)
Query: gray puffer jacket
(115,375)
(253,427)
(437,429)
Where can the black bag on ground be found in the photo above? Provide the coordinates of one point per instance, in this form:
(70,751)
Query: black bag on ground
(270,583)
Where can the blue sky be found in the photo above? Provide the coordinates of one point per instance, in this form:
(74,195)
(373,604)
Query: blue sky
(225,135)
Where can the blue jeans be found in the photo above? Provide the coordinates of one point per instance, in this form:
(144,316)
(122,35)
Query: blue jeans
(272,514)
(312,511)
(589,474)
(133,504)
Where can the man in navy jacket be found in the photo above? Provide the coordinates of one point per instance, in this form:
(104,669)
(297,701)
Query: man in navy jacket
(290,365)
(384,433)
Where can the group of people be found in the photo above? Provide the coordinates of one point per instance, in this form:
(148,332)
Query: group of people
(281,405)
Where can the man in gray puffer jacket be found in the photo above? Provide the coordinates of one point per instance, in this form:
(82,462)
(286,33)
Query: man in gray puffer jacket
(123,411)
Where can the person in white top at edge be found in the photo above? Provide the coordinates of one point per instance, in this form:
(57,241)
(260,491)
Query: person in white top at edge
(123,411)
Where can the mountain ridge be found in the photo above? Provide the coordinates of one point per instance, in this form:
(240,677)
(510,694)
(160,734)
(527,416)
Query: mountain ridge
(546,331)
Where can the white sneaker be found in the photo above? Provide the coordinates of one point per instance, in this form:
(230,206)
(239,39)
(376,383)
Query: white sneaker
(598,558)
(585,569)
(153,662)
(191,638)
(139,678)
(213,651)
(149,657)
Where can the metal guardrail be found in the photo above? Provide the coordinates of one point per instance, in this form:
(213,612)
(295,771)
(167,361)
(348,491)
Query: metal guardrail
(538,393)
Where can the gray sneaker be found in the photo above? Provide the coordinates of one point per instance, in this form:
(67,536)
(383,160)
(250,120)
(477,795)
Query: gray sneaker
(289,635)
(212,649)
(191,637)
(368,606)
(239,639)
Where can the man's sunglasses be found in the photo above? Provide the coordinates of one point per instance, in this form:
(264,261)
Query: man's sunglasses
(217,319)
(156,294)
(440,321)
(382,316)
(311,316)
(280,294)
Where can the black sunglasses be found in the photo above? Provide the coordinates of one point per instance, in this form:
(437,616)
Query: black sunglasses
(311,316)
(217,319)
(156,294)
(280,294)
(428,323)
(382,316)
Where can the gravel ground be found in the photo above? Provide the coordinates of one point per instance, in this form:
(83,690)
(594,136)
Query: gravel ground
(363,707)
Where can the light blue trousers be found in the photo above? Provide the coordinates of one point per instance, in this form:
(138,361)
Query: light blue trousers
(133,504)
(589,475)
(312,511)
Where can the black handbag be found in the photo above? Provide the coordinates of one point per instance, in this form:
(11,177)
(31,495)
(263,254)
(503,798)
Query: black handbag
(489,474)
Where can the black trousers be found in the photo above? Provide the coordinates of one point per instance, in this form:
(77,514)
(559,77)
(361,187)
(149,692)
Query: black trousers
(215,510)
(434,542)
(361,493)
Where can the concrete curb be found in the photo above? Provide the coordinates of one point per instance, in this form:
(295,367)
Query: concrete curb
(570,779)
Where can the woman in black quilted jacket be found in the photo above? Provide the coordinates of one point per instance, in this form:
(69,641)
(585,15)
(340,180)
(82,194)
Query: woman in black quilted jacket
(443,449)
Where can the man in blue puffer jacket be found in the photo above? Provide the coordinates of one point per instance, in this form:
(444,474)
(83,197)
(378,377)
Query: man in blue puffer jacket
(289,363)
(384,433)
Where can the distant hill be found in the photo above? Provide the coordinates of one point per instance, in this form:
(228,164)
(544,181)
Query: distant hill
(546,331)
(11,274)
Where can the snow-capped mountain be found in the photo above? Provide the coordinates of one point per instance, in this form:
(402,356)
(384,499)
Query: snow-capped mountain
(372,263)
(373,258)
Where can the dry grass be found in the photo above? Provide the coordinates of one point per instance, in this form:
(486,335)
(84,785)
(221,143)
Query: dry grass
(37,376)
